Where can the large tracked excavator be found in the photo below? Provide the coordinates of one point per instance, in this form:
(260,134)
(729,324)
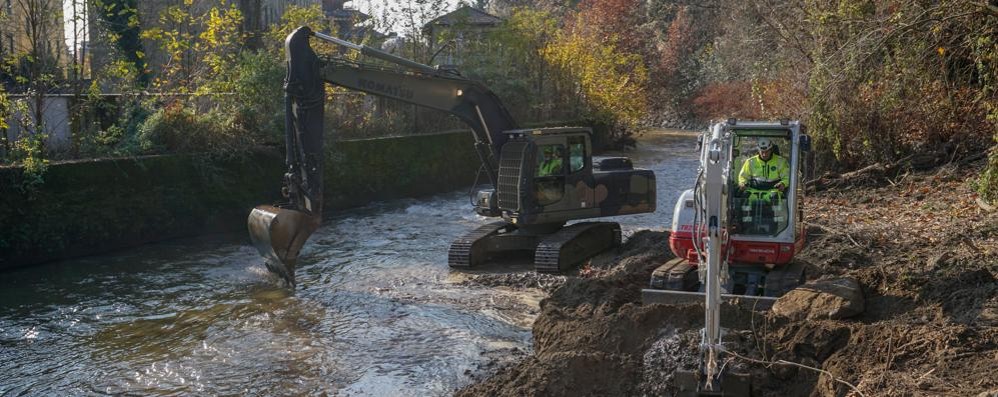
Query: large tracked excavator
(735,235)
(540,178)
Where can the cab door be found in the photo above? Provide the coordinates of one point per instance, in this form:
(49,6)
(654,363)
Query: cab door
(563,176)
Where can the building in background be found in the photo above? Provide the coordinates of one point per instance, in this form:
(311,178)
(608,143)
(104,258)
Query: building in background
(32,37)
(350,24)
(450,33)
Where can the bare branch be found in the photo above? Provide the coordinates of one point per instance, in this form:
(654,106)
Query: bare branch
(986,8)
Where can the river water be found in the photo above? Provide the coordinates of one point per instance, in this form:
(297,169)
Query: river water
(377,310)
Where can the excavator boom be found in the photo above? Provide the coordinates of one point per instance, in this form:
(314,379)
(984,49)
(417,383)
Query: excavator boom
(280,231)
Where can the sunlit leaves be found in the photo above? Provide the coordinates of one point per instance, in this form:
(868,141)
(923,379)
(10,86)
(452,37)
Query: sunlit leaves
(611,81)
(294,17)
(201,47)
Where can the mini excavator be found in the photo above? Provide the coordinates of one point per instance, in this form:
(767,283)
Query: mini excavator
(540,178)
(735,237)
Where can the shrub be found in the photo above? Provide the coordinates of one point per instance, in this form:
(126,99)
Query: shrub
(176,128)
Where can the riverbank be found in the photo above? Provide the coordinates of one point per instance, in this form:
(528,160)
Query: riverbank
(80,208)
(923,250)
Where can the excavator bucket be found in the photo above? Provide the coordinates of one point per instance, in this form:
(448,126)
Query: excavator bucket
(279,234)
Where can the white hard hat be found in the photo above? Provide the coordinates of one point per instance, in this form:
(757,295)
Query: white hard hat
(764,144)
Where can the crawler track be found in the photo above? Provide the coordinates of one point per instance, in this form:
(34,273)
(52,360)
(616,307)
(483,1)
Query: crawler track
(573,244)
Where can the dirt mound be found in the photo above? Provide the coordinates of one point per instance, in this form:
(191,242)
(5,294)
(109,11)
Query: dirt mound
(926,263)
(592,333)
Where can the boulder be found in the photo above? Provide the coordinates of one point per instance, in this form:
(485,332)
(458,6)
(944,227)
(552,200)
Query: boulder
(831,298)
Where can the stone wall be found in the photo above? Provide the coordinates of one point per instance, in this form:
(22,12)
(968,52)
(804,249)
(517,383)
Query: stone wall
(89,207)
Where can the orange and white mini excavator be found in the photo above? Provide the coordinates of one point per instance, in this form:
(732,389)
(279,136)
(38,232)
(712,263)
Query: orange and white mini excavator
(735,234)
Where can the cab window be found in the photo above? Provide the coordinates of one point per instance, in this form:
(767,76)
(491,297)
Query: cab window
(576,154)
(760,201)
(549,160)
(549,183)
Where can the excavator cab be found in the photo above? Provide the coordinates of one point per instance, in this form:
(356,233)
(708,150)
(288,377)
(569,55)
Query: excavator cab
(548,177)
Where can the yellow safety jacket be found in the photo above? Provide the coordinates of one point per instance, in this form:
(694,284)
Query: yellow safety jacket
(550,167)
(776,169)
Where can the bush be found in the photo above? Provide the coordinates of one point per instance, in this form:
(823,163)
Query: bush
(177,129)
(257,105)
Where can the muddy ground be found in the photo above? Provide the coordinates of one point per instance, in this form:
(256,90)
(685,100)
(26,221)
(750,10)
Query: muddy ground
(924,252)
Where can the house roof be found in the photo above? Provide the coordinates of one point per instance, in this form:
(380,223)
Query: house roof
(464,15)
(347,15)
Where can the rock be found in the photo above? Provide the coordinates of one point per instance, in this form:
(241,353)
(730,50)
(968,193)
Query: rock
(833,298)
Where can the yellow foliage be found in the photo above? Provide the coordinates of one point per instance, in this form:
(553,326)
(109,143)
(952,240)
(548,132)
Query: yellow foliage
(294,17)
(610,81)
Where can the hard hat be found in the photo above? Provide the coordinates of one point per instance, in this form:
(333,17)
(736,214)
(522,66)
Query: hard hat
(764,144)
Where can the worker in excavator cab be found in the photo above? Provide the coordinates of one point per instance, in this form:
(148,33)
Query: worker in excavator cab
(551,164)
(548,189)
(764,177)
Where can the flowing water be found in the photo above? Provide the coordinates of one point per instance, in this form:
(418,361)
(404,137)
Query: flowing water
(377,310)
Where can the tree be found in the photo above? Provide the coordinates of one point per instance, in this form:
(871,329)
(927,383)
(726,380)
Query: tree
(202,40)
(120,27)
(36,58)
(610,82)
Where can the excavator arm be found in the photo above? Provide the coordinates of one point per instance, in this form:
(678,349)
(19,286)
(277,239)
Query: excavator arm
(279,231)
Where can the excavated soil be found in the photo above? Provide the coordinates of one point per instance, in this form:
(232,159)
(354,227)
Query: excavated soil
(924,252)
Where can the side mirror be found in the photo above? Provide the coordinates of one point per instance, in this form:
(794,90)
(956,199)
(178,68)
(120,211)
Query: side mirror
(805,143)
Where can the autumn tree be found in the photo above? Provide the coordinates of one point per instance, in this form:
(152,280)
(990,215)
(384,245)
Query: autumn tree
(201,40)
(610,82)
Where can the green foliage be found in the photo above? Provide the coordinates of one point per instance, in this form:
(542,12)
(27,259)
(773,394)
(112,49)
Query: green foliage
(111,125)
(294,17)
(201,48)
(119,25)
(178,129)
(29,150)
(257,103)
(509,61)
(6,111)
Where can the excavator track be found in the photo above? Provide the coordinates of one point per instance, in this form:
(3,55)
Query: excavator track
(780,281)
(676,282)
(470,250)
(575,243)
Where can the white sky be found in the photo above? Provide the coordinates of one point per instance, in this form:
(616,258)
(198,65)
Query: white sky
(81,23)
(392,20)
(396,20)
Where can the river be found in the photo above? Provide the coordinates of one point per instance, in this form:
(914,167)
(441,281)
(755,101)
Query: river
(377,310)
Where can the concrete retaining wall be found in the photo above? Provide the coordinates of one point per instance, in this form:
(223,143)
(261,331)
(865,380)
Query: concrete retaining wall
(89,207)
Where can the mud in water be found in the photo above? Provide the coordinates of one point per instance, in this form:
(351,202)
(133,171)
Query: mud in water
(927,265)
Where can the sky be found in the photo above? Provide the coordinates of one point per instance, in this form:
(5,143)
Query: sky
(387,14)
(394,19)
(81,27)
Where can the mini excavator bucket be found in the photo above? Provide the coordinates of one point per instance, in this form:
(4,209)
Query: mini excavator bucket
(279,234)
